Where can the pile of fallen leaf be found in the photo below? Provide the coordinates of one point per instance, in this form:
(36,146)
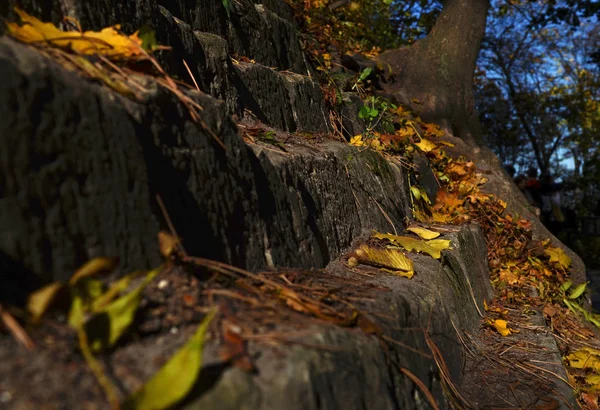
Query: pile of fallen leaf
(525,272)
(268,307)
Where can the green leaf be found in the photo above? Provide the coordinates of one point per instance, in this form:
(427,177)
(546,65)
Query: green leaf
(148,37)
(228,7)
(415,192)
(365,73)
(566,285)
(115,289)
(176,378)
(570,306)
(109,323)
(578,291)
(363,113)
(83,294)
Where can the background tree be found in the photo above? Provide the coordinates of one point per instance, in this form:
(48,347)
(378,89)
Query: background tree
(435,74)
(535,78)
(537,86)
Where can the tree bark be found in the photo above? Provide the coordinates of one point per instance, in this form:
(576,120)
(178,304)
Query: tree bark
(435,75)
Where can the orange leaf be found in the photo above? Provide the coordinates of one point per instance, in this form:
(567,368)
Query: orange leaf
(451,200)
(234,350)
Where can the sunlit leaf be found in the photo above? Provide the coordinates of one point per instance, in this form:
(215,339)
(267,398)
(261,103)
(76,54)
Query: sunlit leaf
(119,314)
(406,132)
(108,42)
(176,378)
(167,244)
(571,306)
(432,247)
(423,233)
(93,267)
(584,358)
(592,379)
(439,244)
(357,141)
(39,301)
(114,290)
(578,291)
(451,200)
(425,145)
(83,293)
(393,260)
(558,255)
(365,73)
(433,130)
(502,327)
(566,285)
(457,170)
(424,195)
(441,217)
(508,276)
(416,193)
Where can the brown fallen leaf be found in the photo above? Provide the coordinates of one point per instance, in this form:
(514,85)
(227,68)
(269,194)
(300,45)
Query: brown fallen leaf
(15,328)
(590,400)
(234,350)
(168,244)
(368,326)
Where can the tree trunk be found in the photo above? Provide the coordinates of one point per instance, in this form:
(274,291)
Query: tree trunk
(435,75)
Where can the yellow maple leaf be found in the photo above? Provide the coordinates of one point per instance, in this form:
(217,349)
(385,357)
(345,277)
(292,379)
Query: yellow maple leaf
(593,379)
(425,145)
(457,170)
(376,144)
(405,132)
(558,255)
(357,141)
(432,129)
(585,358)
(441,217)
(108,42)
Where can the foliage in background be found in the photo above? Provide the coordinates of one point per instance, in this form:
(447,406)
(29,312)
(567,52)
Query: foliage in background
(538,86)
(365,26)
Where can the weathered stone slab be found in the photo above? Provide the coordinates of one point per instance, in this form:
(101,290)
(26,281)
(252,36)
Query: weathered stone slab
(74,180)
(287,101)
(206,55)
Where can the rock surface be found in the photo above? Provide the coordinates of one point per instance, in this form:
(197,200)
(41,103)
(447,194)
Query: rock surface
(82,166)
